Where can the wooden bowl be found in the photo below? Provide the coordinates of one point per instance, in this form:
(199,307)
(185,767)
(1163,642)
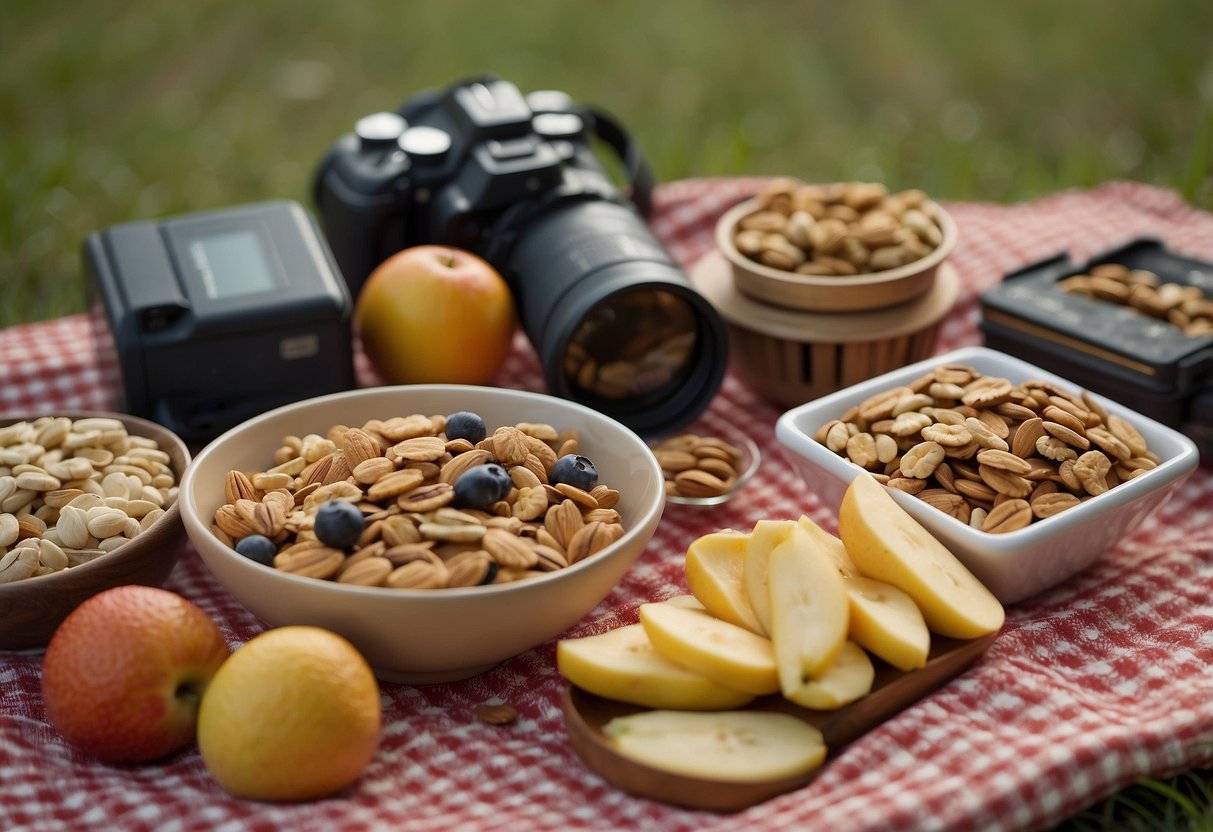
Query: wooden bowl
(814,293)
(792,357)
(33,608)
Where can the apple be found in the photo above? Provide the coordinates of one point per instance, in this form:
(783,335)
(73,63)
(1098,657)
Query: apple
(435,314)
(848,678)
(733,746)
(884,620)
(715,573)
(623,665)
(809,609)
(124,673)
(724,652)
(889,545)
(766,535)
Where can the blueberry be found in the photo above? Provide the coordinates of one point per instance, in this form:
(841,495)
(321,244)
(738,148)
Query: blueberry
(482,486)
(465,425)
(574,470)
(257,547)
(338,524)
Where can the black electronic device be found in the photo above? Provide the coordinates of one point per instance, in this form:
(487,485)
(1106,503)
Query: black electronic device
(218,316)
(515,179)
(1146,363)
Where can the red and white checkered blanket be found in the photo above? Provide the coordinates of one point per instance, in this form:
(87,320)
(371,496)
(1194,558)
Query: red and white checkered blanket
(1092,685)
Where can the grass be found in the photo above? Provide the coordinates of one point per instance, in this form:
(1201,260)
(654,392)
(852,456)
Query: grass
(112,111)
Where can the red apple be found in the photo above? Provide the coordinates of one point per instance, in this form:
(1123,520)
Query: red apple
(124,673)
(435,314)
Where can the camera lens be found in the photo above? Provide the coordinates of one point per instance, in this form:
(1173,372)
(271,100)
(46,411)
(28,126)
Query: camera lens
(615,322)
(634,343)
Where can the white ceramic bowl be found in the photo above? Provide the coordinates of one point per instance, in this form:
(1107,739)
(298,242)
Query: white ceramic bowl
(420,636)
(1019,564)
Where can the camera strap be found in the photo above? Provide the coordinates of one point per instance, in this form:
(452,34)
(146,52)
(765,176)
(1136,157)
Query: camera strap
(640,175)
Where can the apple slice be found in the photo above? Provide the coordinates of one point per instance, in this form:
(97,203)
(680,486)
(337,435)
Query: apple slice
(725,653)
(887,544)
(767,534)
(621,664)
(887,623)
(733,746)
(831,545)
(688,601)
(809,609)
(847,679)
(884,620)
(715,572)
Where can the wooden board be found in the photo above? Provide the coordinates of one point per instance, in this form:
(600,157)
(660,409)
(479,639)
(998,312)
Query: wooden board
(892,690)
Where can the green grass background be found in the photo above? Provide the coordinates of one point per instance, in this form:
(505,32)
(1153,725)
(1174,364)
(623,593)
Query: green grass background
(113,111)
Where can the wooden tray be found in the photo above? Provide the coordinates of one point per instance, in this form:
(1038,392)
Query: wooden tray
(892,690)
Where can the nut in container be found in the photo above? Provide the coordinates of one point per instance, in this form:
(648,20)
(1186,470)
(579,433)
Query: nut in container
(823,286)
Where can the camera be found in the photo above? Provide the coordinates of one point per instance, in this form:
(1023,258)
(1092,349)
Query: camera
(517,180)
(1108,346)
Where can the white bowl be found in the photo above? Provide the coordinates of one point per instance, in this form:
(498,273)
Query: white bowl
(419,636)
(1018,564)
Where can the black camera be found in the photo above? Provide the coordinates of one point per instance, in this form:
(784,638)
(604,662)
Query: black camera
(516,179)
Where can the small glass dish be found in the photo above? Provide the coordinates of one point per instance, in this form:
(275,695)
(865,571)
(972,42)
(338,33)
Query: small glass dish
(712,479)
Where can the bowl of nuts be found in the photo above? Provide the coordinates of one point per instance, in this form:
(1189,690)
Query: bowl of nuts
(1025,477)
(841,247)
(88,501)
(706,465)
(440,528)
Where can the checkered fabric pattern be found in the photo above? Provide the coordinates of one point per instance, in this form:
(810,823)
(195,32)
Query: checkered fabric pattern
(1091,685)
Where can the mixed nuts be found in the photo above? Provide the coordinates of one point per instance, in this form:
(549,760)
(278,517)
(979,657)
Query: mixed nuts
(838,229)
(993,454)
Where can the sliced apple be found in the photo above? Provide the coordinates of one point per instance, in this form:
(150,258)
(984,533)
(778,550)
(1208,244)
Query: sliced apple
(621,664)
(688,601)
(887,544)
(847,679)
(887,623)
(809,609)
(733,746)
(715,571)
(767,534)
(725,653)
(831,545)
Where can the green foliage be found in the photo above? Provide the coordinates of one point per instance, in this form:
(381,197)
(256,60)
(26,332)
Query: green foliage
(117,111)
(1183,803)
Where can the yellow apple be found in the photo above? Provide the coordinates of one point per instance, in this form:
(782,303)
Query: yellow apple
(621,664)
(724,652)
(809,609)
(883,620)
(733,746)
(848,678)
(887,623)
(715,572)
(767,534)
(830,545)
(887,544)
(435,314)
(293,715)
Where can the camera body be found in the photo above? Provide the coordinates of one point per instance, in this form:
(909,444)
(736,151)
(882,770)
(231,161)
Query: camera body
(1112,349)
(516,180)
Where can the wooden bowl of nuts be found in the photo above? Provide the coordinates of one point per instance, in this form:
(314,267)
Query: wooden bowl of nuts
(841,247)
(440,528)
(88,501)
(1025,477)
